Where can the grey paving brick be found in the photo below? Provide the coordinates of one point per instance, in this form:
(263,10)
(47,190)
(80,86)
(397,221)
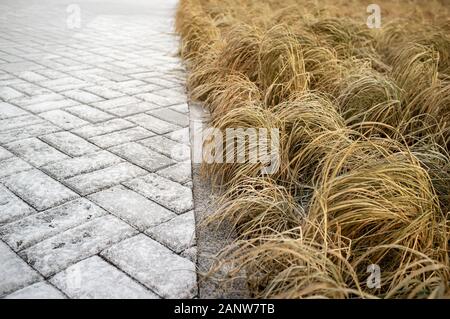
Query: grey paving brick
(103,128)
(168,147)
(155,266)
(4,154)
(37,99)
(8,110)
(35,228)
(181,136)
(49,105)
(30,88)
(35,151)
(7,93)
(104,92)
(12,207)
(13,165)
(14,272)
(180,172)
(27,132)
(81,165)
(171,116)
(63,119)
(94,278)
(39,290)
(152,123)
(70,143)
(89,113)
(92,182)
(178,233)
(82,96)
(132,109)
(131,207)
(113,103)
(58,252)
(31,76)
(140,89)
(64,84)
(120,137)
(37,189)
(156,99)
(142,156)
(17,67)
(20,121)
(182,108)
(191,254)
(163,191)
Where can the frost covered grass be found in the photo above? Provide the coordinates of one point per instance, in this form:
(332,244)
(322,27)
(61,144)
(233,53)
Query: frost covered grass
(364,117)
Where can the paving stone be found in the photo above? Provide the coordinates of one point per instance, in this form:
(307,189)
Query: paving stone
(155,99)
(125,84)
(69,143)
(39,290)
(8,110)
(13,165)
(14,272)
(180,172)
(31,100)
(74,101)
(27,132)
(120,137)
(181,136)
(142,156)
(20,121)
(168,147)
(38,189)
(177,91)
(30,88)
(113,103)
(89,113)
(132,109)
(12,207)
(171,116)
(92,182)
(178,233)
(103,128)
(131,207)
(31,76)
(141,89)
(35,151)
(17,67)
(64,84)
(191,254)
(51,74)
(82,96)
(103,92)
(152,123)
(7,93)
(4,154)
(163,191)
(81,165)
(63,119)
(58,252)
(155,266)
(35,228)
(94,278)
(182,108)
(49,105)
(166,84)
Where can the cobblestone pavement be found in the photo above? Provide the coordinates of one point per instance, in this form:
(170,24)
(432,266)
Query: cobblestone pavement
(95,173)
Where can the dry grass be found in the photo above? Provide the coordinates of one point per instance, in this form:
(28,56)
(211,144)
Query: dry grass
(364,120)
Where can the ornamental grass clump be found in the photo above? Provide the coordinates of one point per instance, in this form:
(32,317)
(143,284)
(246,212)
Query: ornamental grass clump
(363,115)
